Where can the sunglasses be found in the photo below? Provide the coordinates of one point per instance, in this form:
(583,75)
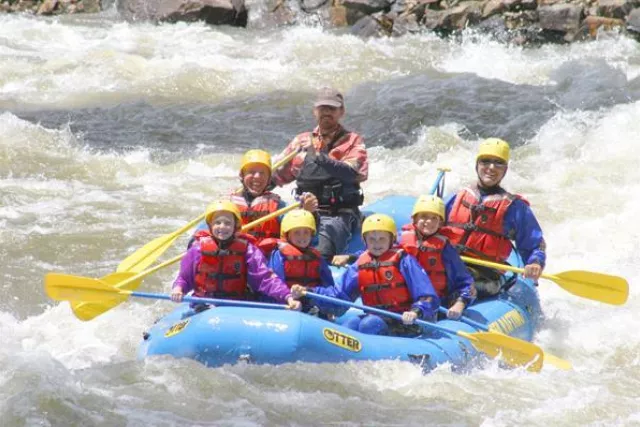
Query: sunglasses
(500,164)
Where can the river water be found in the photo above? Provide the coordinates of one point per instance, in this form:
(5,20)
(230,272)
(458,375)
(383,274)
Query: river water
(112,134)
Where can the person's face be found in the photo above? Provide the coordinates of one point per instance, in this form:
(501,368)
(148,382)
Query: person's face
(300,237)
(490,171)
(328,117)
(223,225)
(427,223)
(255,178)
(378,242)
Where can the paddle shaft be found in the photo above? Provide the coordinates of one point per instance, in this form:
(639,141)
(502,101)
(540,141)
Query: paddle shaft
(441,172)
(179,257)
(214,301)
(467,320)
(374,310)
(283,161)
(504,267)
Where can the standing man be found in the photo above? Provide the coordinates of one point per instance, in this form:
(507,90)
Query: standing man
(484,219)
(331,165)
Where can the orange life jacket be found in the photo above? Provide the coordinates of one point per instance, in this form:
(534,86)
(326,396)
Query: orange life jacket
(428,252)
(381,283)
(476,228)
(222,273)
(262,205)
(300,267)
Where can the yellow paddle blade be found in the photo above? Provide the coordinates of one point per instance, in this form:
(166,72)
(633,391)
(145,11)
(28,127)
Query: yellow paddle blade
(514,352)
(65,287)
(595,286)
(149,253)
(557,362)
(90,310)
(587,284)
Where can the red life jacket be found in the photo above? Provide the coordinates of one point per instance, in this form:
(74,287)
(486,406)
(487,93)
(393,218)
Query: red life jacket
(267,246)
(261,206)
(381,283)
(222,273)
(476,227)
(428,252)
(300,267)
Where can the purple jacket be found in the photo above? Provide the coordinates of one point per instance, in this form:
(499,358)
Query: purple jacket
(259,277)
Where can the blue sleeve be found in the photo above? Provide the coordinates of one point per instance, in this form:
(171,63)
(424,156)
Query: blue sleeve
(419,286)
(326,277)
(276,265)
(521,223)
(349,283)
(329,289)
(458,277)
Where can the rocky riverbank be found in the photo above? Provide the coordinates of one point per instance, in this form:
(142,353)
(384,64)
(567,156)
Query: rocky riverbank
(50,7)
(514,21)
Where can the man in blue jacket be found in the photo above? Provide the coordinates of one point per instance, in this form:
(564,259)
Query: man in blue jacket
(484,220)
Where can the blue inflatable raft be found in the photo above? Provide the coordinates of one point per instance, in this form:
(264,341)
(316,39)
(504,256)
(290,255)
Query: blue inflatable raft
(227,335)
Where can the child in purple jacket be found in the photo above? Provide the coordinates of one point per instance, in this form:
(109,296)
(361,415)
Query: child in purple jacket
(224,265)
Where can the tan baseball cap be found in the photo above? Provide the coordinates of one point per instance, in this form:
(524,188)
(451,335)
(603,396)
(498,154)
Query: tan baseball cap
(329,96)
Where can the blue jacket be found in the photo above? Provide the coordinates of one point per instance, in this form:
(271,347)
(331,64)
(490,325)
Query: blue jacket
(520,222)
(459,280)
(417,281)
(276,263)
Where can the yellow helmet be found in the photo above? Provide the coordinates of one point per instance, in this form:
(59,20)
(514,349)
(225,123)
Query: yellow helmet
(223,206)
(493,147)
(297,219)
(379,222)
(255,157)
(429,204)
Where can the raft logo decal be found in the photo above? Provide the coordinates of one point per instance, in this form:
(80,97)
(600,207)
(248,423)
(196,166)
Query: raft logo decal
(341,340)
(508,323)
(176,329)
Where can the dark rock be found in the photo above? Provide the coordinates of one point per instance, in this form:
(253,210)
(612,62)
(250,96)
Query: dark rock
(367,6)
(406,23)
(615,8)
(216,12)
(560,17)
(458,17)
(432,19)
(521,19)
(633,21)
(373,26)
(312,6)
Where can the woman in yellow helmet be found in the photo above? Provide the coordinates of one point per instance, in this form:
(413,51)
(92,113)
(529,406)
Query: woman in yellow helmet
(223,265)
(388,278)
(484,220)
(254,200)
